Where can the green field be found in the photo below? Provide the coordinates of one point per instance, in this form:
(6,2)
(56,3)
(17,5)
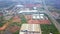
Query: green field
(2,22)
(23,19)
(46,29)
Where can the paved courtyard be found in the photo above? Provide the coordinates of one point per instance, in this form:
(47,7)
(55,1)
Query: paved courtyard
(30,29)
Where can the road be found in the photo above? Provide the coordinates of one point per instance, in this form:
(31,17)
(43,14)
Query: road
(54,21)
(50,16)
(30,28)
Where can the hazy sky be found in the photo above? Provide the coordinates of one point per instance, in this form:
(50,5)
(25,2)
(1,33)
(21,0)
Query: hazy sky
(53,2)
(47,1)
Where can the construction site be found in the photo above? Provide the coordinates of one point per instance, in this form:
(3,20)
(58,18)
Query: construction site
(28,17)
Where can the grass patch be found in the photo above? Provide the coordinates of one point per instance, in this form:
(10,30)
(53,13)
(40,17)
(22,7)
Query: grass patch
(17,32)
(46,29)
(23,19)
(16,23)
(1,24)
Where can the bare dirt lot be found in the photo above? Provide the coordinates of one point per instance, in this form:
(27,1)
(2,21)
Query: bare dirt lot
(32,21)
(16,19)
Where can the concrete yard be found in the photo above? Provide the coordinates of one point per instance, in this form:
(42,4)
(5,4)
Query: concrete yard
(30,29)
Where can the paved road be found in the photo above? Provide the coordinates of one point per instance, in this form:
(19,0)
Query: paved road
(50,16)
(54,21)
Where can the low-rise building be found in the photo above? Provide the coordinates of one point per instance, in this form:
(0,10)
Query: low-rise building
(30,29)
